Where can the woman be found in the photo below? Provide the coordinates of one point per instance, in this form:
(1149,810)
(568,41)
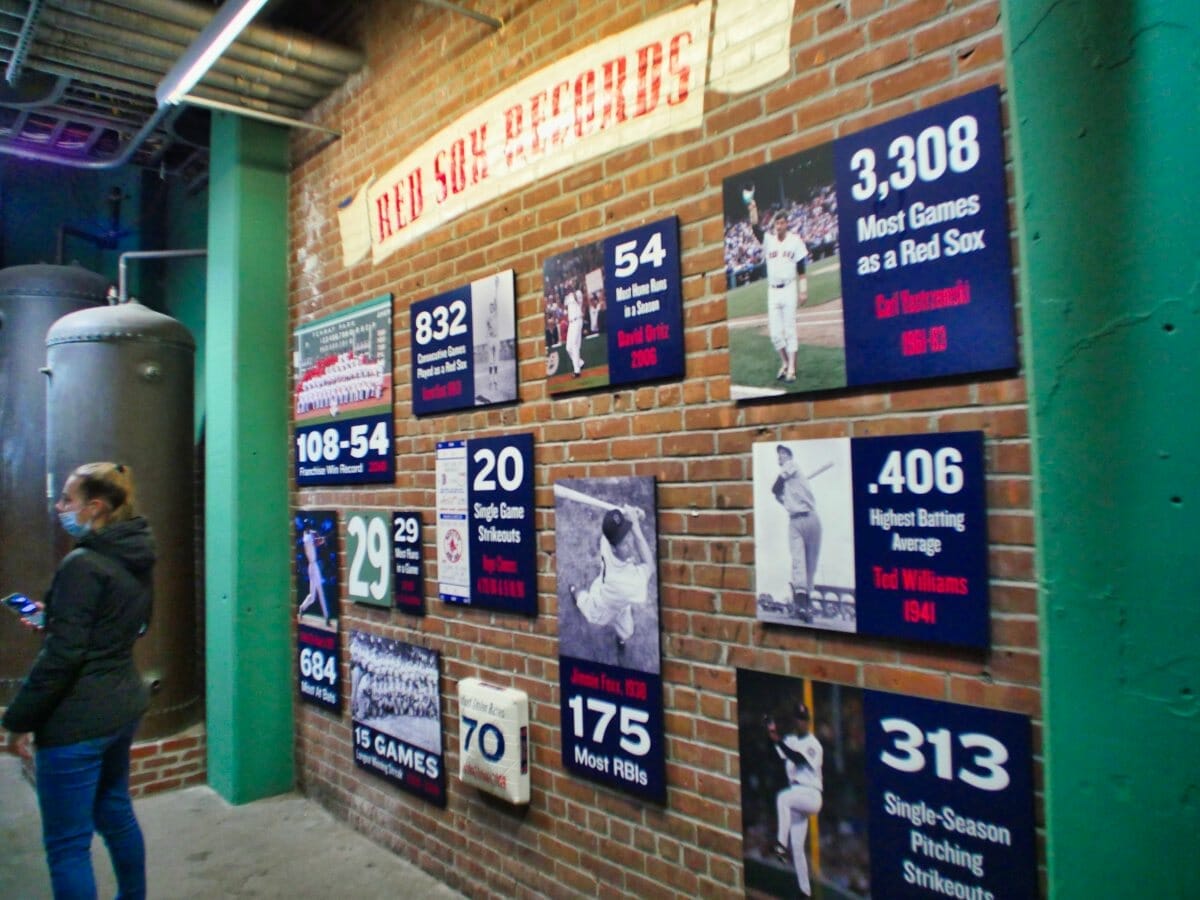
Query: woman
(83,698)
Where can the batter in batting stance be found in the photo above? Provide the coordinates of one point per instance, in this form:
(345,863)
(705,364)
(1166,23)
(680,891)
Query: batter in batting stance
(624,577)
(787,286)
(802,757)
(792,490)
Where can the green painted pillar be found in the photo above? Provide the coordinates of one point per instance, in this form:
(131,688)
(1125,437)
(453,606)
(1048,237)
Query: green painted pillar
(247,534)
(1105,101)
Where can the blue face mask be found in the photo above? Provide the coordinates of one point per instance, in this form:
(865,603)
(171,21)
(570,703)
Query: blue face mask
(71,524)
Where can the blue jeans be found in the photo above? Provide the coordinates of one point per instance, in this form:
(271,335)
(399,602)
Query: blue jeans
(83,788)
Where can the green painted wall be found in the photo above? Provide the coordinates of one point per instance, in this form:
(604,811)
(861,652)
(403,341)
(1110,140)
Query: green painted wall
(1105,103)
(248,557)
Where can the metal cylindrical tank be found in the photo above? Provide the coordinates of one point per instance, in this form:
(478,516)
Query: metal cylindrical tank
(32,298)
(119,388)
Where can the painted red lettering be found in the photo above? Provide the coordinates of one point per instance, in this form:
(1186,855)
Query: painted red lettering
(614,93)
(479,167)
(383,216)
(585,103)
(558,104)
(649,78)
(537,118)
(678,68)
(513,141)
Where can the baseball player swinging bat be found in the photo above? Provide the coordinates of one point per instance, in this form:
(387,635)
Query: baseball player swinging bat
(561,490)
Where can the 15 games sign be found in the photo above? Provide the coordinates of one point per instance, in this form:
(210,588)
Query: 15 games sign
(343,397)
(871,794)
(485,515)
(906,268)
(614,310)
(883,536)
(396,710)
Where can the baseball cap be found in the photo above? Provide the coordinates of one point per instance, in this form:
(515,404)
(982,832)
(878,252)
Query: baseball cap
(615,526)
(802,712)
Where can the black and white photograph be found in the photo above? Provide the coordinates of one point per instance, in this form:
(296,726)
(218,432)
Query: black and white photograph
(493,326)
(607,566)
(395,704)
(804,788)
(804,533)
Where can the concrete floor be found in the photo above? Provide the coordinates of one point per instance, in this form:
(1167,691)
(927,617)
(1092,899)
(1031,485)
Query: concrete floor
(199,846)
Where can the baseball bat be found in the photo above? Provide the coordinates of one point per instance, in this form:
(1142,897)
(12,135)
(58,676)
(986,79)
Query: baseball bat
(561,490)
(819,469)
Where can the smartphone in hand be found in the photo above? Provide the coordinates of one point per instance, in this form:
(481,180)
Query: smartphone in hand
(25,608)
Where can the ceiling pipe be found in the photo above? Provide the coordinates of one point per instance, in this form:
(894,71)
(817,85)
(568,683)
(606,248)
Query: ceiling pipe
(122,297)
(463,11)
(286,42)
(87,16)
(13,72)
(164,52)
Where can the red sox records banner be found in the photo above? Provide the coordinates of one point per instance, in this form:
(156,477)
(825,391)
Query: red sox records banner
(610,669)
(853,794)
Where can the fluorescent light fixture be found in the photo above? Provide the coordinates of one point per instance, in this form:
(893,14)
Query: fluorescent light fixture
(226,25)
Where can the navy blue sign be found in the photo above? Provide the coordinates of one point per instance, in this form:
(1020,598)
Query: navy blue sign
(315,556)
(343,397)
(882,256)
(464,347)
(612,726)
(442,371)
(614,310)
(641,276)
(920,537)
(950,800)
(397,714)
(923,222)
(409,572)
(489,495)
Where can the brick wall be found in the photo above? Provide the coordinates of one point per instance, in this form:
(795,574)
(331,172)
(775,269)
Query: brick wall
(854,64)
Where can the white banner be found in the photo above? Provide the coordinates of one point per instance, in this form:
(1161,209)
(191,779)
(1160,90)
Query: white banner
(625,89)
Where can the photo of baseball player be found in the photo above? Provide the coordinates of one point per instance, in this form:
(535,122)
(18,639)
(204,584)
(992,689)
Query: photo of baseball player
(804,793)
(317,568)
(575,304)
(493,325)
(804,533)
(607,567)
(394,688)
(784,306)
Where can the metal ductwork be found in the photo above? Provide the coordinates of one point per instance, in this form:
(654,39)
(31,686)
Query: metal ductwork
(81,76)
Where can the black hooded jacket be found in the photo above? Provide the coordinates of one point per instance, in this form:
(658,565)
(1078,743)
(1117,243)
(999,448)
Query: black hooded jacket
(84,683)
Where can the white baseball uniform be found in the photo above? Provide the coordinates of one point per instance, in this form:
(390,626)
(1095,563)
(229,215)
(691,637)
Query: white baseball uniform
(783,257)
(803,758)
(621,585)
(575,329)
